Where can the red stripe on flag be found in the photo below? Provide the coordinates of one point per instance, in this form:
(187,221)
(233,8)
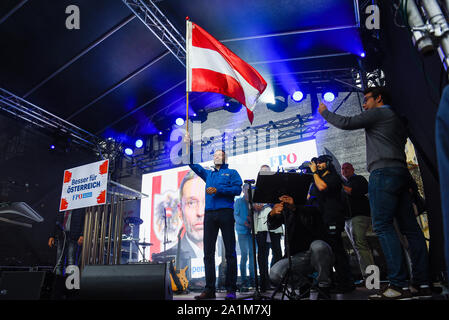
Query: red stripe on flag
(202,39)
(250,115)
(153,238)
(211,81)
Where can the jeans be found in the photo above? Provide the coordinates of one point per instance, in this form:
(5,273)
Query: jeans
(318,258)
(356,229)
(390,199)
(246,251)
(442,148)
(70,248)
(214,220)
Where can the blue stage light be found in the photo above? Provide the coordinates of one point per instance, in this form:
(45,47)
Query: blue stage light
(179,121)
(139,143)
(129,151)
(160,133)
(363,55)
(297,96)
(52,147)
(329,96)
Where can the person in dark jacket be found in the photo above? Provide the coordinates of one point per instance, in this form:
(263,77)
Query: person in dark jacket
(68,237)
(307,245)
(327,189)
(222,186)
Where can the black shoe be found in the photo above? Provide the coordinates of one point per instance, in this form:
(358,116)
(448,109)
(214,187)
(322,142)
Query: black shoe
(342,289)
(421,292)
(206,295)
(324,293)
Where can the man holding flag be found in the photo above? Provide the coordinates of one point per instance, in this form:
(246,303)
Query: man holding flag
(211,67)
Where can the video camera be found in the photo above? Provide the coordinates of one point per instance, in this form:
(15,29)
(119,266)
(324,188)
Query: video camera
(304,167)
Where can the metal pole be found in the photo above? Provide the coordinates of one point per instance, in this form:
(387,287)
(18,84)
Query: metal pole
(120,214)
(84,251)
(88,239)
(114,257)
(111,215)
(95,235)
(103,233)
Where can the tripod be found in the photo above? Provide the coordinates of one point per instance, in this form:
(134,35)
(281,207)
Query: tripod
(256,295)
(284,284)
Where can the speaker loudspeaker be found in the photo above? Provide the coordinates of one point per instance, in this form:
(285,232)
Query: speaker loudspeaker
(126,282)
(22,285)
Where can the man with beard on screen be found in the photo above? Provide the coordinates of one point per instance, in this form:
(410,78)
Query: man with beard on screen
(191,209)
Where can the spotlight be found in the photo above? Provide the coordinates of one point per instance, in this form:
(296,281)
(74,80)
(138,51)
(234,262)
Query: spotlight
(139,143)
(329,96)
(232,105)
(297,96)
(179,121)
(363,55)
(52,147)
(160,133)
(129,151)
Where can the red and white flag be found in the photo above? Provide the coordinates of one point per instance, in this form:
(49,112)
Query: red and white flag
(211,67)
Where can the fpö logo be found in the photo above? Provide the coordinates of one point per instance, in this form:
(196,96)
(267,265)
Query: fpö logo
(283,160)
(82,196)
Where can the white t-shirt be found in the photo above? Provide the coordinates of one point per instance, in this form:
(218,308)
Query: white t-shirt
(260,220)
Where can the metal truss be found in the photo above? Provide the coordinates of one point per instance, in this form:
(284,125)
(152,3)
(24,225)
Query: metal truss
(162,28)
(271,134)
(343,78)
(22,109)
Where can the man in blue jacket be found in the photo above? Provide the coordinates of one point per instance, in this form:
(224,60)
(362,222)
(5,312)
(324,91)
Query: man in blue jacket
(222,185)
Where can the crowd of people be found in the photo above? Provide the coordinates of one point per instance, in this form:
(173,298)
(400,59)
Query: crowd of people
(211,201)
(334,204)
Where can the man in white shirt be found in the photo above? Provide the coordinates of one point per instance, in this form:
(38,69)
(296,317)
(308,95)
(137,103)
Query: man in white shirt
(266,240)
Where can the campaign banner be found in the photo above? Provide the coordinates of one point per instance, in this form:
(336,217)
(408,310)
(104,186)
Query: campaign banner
(85,186)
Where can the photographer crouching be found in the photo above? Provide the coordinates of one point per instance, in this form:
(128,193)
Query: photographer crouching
(327,186)
(308,251)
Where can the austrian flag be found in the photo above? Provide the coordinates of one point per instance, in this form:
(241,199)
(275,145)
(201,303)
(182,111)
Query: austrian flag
(211,67)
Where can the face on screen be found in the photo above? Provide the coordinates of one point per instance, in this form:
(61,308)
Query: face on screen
(192,206)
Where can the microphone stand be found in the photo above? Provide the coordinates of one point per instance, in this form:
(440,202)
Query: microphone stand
(256,295)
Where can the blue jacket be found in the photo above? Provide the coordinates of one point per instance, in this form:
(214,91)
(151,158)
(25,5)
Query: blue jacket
(227,182)
(241,216)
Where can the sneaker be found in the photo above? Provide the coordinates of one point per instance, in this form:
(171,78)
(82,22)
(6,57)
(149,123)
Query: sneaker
(422,292)
(206,295)
(392,292)
(230,295)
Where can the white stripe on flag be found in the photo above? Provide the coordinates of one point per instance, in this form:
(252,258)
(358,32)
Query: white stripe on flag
(212,60)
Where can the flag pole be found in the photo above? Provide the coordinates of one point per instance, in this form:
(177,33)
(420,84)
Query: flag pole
(187,82)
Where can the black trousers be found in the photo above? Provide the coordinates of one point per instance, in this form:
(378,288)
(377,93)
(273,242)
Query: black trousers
(263,249)
(222,219)
(342,269)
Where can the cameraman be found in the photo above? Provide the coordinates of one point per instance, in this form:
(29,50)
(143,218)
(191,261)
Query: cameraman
(328,187)
(307,249)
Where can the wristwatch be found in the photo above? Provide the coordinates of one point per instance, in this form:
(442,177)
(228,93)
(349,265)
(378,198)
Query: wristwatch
(314,172)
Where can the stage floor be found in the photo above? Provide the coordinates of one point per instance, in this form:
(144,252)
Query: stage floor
(359,293)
